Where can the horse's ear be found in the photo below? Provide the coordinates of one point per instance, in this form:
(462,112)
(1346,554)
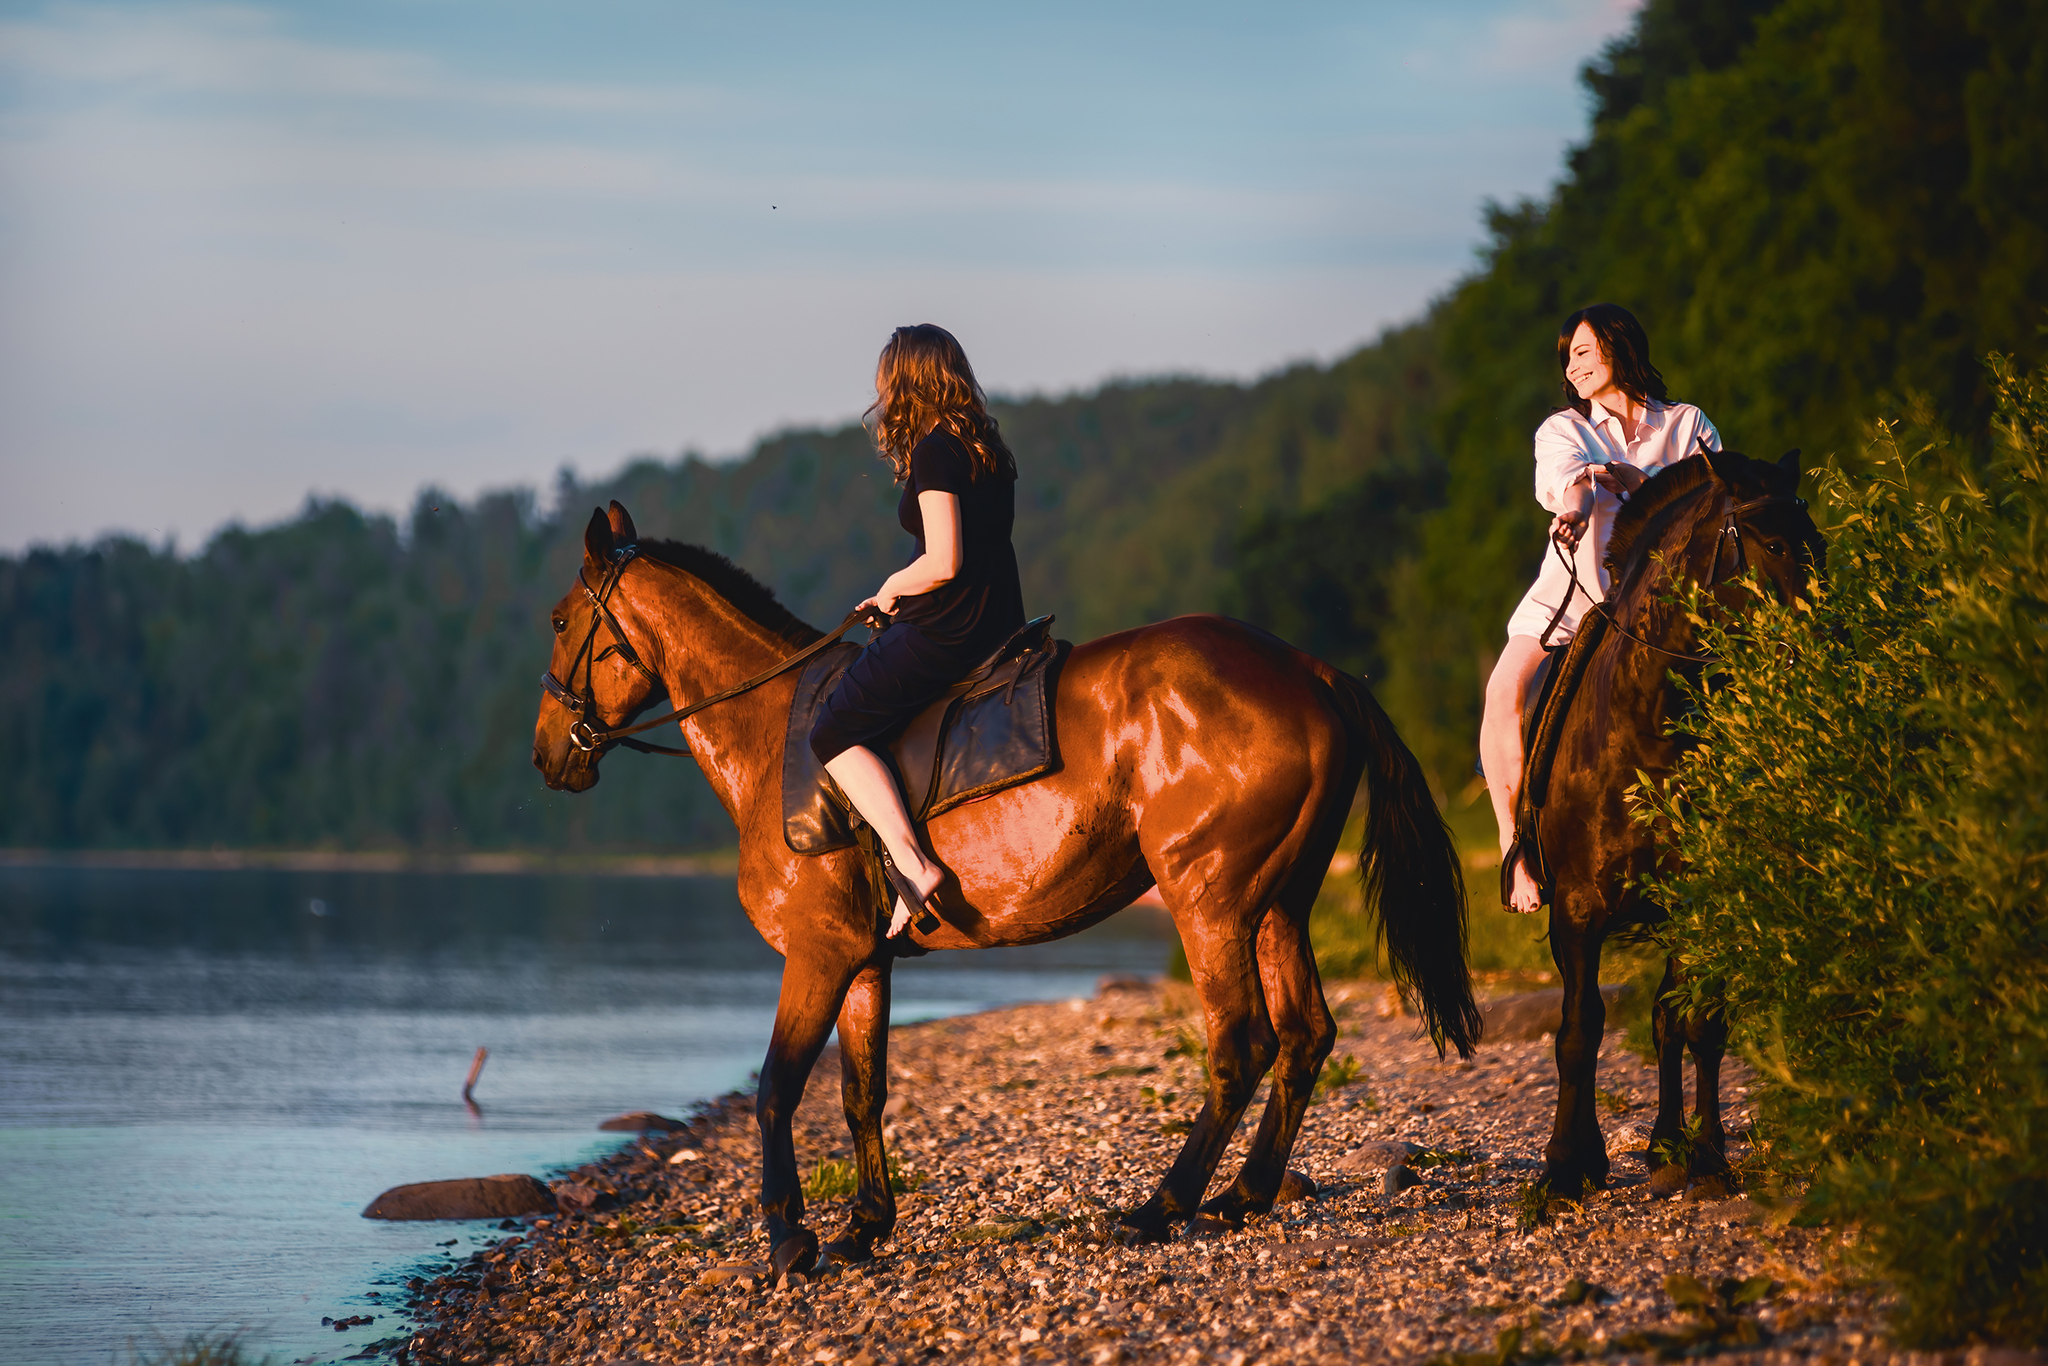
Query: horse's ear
(1707,454)
(597,538)
(622,525)
(1789,463)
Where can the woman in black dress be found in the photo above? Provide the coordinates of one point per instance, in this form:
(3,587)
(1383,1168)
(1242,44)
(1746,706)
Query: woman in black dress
(954,603)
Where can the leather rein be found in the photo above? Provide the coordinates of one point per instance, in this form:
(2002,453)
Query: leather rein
(587,736)
(1731,531)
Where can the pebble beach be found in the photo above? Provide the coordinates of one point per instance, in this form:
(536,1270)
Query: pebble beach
(1017,1135)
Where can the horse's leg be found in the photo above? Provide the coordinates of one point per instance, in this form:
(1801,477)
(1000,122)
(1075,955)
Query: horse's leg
(1667,1135)
(1707,1036)
(863,1086)
(813,986)
(1224,965)
(1301,1020)
(1577,1152)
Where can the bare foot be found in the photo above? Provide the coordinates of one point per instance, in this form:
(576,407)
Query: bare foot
(926,877)
(1526,898)
(900,921)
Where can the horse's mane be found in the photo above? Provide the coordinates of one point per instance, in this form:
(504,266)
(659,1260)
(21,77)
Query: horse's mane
(1660,491)
(736,586)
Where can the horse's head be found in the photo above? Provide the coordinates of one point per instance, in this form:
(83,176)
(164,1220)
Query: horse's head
(1763,524)
(595,680)
(1715,518)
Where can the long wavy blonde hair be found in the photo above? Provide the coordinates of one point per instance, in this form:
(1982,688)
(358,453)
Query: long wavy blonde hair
(923,382)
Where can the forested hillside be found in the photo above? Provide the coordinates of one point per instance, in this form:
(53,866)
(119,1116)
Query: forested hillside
(1820,208)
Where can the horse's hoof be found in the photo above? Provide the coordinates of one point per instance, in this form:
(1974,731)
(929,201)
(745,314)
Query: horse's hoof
(797,1252)
(1229,1207)
(1711,1187)
(851,1248)
(1668,1180)
(1141,1229)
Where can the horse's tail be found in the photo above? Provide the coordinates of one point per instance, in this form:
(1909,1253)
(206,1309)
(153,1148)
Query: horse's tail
(1410,874)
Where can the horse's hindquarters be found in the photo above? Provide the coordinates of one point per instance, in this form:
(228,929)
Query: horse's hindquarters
(1198,751)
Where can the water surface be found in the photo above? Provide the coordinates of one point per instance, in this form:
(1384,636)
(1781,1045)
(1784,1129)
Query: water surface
(204,1076)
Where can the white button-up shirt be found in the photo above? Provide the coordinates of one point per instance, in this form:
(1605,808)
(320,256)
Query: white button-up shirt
(1567,448)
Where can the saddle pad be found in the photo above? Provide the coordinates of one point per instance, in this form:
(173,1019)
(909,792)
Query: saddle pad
(1546,728)
(992,731)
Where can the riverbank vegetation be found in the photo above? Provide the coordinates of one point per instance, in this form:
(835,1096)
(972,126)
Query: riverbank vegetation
(1864,829)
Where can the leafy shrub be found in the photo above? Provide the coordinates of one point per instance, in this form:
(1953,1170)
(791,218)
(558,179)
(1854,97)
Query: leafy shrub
(1863,829)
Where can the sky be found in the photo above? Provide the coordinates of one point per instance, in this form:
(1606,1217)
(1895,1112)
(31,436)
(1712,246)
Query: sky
(254,252)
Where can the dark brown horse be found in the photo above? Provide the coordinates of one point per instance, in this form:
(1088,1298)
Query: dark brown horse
(1200,753)
(1709,521)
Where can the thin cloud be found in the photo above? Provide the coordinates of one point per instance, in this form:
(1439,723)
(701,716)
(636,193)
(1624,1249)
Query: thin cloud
(1569,31)
(242,52)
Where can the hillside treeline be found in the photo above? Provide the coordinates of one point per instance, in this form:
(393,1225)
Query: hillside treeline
(1820,209)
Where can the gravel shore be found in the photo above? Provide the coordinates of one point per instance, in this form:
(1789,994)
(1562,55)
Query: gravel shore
(1020,1132)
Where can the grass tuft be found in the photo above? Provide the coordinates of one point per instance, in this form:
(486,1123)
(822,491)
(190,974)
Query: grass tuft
(219,1347)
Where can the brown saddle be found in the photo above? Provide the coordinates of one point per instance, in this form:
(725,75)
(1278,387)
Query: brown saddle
(990,731)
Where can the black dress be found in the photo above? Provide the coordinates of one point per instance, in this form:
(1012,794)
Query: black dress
(936,637)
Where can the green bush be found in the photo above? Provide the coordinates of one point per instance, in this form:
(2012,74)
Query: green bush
(1863,832)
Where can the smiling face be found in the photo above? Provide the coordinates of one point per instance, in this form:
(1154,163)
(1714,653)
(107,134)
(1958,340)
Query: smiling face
(1586,365)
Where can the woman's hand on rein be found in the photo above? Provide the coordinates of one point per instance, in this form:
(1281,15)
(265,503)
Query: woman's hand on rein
(1567,527)
(883,601)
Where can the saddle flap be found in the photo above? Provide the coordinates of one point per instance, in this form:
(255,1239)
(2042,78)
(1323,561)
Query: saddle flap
(1001,733)
(990,731)
(815,819)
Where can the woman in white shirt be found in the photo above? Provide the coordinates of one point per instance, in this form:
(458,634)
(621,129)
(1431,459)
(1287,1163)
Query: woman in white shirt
(1617,427)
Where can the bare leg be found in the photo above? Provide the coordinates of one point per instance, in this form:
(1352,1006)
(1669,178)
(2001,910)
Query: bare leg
(871,787)
(1500,751)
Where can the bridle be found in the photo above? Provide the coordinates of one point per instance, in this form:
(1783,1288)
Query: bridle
(1732,527)
(588,736)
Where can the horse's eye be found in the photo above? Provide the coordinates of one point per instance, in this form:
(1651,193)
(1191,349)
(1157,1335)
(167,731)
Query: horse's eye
(1775,547)
(560,625)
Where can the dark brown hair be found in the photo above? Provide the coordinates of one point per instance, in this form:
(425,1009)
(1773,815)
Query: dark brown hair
(1623,345)
(923,382)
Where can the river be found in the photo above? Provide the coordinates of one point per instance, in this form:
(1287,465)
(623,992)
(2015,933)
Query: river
(204,1076)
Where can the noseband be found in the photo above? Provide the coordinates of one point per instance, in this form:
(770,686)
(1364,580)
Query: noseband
(582,734)
(591,738)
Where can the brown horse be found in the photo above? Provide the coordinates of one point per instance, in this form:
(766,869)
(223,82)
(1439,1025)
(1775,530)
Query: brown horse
(1707,521)
(1200,753)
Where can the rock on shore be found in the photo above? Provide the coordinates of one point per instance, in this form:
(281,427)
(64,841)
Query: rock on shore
(479,1197)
